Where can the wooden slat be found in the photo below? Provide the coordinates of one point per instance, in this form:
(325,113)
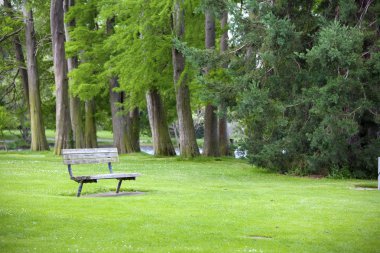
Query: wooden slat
(89,160)
(106,176)
(88,155)
(89,150)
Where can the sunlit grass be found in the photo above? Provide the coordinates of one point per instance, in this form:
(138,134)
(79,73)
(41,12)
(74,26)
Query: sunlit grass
(201,205)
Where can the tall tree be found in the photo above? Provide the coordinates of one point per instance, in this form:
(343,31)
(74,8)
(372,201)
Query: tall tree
(222,123)
(211,141)
(63,121)
(158,123)
(23,73)
(119,123)
(143,64)
(188,145)
(39,141)
(76,111)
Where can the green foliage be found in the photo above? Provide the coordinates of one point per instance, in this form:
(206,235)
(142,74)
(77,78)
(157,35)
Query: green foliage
(7,120)
(308,108)
(338,47)
(140,49)
(87,44)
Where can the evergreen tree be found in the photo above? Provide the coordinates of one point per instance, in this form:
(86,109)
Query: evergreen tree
(63,122)
(39,141)
(76,105)
(188,144)
(211,139)
(19,54)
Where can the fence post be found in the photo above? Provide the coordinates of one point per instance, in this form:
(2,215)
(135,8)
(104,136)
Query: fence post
(378,173)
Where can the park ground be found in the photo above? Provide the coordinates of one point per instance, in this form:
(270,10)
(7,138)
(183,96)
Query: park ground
(199,205)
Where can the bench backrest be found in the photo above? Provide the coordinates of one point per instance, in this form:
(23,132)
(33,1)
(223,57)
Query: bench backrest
(90,155)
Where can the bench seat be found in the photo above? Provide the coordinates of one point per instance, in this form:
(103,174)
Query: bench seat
(129,176)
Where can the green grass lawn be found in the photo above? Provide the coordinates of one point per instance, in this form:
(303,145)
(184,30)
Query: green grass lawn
(201,205)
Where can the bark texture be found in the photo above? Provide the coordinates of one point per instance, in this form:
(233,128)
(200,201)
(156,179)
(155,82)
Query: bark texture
(188,145)
(223,134)
(211,141)
(77,124)
(76,106)
(63,121)
(133,131)
(90,126)
(36,122)
(162,143)
(118,118)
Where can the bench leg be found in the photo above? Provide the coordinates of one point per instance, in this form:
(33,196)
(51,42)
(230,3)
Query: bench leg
(118,186)
(80,189)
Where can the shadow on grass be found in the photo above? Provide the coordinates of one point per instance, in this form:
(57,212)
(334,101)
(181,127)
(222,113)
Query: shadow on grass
(366,186)
(106,192)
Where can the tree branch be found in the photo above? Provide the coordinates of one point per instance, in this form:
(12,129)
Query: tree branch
(10,35)
(11,87)
(364,12)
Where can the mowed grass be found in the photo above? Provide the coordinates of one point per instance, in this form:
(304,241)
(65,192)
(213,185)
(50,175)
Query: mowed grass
(201,205)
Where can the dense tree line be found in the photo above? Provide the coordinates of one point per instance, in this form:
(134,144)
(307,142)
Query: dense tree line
(301,78)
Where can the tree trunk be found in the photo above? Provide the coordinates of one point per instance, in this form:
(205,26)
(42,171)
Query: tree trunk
(76,110)
(162,143)
(188,143)
(25,129)
(211,145)
(24,77)
(118,118)
(90,128)
(23,72)
(76,113)
(223,134)
(39,141)
(133,131)
(224,148)
(63,121)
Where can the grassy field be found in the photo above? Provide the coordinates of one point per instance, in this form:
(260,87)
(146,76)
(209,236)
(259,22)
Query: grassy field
(201,205)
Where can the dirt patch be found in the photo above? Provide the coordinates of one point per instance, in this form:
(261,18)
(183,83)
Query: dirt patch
(112,194)
(259,237)
(358,188)
(316,176)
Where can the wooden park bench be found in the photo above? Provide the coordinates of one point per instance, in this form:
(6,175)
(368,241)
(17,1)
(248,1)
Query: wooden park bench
(94,155)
